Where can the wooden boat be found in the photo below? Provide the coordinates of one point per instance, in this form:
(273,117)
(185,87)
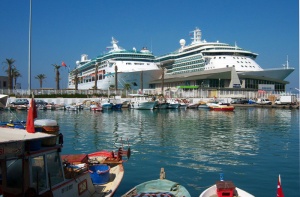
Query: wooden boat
(159,187)
(226,189)
(30,167)
(220,107)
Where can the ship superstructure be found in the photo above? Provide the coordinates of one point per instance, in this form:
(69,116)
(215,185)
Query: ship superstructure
(115,68)
(215,64)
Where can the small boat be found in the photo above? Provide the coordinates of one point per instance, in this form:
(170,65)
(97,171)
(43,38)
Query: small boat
(158,187)
(117,106)
(22,107)
(162,105)
(95,107)
(224,188)
(50,106)
(31,164)
(174,105)
(106,105)
(221,107)
(140,101)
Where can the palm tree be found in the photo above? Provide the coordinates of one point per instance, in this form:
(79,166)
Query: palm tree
(75,72)
(56,68)
(127,87)
(41,77)
(15,74)
(9,65)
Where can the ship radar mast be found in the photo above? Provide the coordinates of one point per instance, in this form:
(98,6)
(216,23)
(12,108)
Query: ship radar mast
(197,36)
(114,46)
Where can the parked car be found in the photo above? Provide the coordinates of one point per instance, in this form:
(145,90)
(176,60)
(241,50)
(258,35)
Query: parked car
(239,101)
(264,101)
(20,102)
(40,102)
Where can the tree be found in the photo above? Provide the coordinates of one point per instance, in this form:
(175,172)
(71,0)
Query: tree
(75,73)
(127,86)
(56,69)
(41,77)
(15,74)
(9,65)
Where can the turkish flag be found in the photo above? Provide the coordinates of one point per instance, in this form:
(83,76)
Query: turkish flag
(31,115)
(279,188)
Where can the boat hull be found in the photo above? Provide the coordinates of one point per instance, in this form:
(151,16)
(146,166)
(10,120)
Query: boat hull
(143,105)
(160,187)
(211,192)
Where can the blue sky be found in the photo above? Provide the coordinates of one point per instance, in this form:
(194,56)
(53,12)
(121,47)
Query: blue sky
(62,30)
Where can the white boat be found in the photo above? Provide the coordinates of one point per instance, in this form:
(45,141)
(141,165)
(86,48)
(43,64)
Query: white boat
(133,68)
(141,101)
(224,188)
(173,104)
(31,164)
(213,190)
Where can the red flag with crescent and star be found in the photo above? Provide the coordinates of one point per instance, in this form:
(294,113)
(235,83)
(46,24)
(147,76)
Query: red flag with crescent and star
(279,188)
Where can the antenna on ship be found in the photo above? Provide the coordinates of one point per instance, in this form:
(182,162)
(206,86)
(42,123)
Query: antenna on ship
(287,61)
(197,36)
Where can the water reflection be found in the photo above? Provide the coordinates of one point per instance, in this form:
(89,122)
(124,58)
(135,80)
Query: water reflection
(202,142)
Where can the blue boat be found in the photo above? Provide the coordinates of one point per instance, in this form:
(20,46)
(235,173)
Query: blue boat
(159,187)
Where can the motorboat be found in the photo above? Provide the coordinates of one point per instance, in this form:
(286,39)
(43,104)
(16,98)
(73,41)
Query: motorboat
(224,188)
(158,187)
(141,101)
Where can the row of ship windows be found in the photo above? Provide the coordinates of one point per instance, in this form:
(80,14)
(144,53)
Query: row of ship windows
(187,71)
(189,59)
(183,68)
(233,58)
(189,63)
(129,63)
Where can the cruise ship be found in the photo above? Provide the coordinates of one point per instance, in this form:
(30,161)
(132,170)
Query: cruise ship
(118,68)
(217,65)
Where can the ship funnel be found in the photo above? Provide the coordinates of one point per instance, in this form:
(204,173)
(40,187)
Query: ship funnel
(84,57)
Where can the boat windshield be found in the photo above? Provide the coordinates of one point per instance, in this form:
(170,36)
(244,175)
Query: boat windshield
(42,176)
(14,172)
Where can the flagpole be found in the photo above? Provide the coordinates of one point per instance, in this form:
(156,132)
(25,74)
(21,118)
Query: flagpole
(29,53)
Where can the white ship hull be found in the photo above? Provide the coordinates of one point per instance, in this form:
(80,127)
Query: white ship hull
(132,78)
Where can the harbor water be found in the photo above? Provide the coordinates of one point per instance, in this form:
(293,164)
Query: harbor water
(250,146)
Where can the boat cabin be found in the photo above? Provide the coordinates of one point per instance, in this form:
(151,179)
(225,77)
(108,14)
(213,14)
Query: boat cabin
(26,166)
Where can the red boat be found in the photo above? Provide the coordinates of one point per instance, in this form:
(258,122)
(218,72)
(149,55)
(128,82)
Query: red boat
(219,107)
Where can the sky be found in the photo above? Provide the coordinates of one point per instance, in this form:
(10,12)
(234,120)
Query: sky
(63,30)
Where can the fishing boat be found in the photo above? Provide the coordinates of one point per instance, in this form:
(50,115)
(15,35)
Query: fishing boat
(221,107)
(224,189)
(158,187)
(31,164)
